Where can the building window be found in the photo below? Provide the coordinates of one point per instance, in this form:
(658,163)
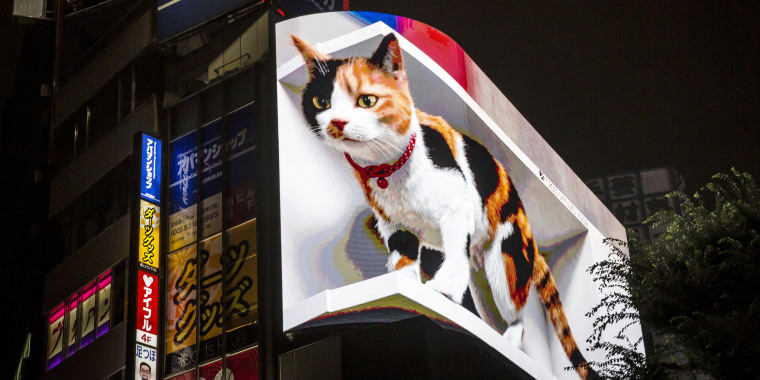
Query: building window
(93,211)
(101,114)
(213,54)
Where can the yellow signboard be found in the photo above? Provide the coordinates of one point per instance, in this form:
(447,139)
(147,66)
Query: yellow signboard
(240,294)
(148,244)
(211,287)
(181,303)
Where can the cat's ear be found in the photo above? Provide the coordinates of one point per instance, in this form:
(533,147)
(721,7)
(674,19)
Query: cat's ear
(310,55)
(388,55)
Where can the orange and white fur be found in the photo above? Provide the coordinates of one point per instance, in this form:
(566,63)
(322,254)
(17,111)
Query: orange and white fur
(439,192)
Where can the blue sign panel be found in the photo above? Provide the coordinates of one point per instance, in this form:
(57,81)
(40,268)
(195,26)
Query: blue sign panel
(240,147)
(176,16)
(183,173)
(150,180)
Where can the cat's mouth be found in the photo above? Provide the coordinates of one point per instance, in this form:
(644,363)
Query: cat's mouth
(346,139)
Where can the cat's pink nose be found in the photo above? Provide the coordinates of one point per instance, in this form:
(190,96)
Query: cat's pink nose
(340,124)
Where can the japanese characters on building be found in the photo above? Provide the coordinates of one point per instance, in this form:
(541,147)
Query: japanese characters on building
(55,337)
(150,184)
(635,196)
(145,359)
(211,295)
(83,317)
(88,303)
(147,309)
(148,250)
(149,240)
(235,313)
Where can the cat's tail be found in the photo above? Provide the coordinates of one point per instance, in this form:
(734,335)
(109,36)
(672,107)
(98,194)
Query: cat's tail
(547,291)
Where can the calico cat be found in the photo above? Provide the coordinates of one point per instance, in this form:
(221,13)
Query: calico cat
(430,187)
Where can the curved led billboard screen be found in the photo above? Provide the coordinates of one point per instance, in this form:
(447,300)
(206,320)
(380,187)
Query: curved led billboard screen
(410,185)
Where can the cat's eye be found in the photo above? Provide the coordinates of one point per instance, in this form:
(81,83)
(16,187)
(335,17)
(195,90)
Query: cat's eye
(366,101)
(320,103)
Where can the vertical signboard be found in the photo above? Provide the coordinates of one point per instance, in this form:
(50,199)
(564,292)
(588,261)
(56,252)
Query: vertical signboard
(146,253)
(147,308)
(181,309)
(149,241)
(150,178)
(211,298)
(183,156)
(104,303)
(239,199)
(87,327)
(55,337)
(183,178)
(71,344)
(240,292)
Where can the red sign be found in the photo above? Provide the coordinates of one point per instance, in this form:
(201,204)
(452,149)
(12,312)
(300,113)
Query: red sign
(147,308)
(244,365)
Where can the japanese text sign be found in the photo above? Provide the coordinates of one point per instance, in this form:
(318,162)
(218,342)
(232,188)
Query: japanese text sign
(148,244)
(150,178)
(147,308)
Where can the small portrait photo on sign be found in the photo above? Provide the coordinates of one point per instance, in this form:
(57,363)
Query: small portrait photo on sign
(145,363)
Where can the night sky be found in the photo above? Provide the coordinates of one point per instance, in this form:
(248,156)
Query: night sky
(619,85)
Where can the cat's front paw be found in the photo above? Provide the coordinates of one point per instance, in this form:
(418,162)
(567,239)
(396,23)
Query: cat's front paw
(402,264)
(448,289)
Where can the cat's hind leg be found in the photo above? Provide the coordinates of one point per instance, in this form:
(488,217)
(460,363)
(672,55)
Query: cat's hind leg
(509,266)
(514,333)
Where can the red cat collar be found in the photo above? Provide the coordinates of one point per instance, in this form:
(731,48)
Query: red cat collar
(383,170)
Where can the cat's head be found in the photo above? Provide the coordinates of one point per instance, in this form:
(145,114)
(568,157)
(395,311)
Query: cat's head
(359,105)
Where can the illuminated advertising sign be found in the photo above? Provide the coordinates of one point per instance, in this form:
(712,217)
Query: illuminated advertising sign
(55,337)
(183,185)
(211,297)
(150,178)
(146,256)
(145,363)
(87,326)
(406,188)
(104,303)
(71,306)
(181,308)
(147,308)
(244,365)
(212,370)
(240,196)
(241,295)
(148,241)
(183,177)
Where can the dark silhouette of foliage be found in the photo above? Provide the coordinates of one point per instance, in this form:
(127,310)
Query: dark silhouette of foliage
(697,287)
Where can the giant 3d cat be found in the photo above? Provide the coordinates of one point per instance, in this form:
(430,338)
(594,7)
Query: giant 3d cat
(429,186)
